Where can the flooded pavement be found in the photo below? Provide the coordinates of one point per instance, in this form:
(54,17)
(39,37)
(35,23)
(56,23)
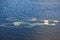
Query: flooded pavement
(30,20)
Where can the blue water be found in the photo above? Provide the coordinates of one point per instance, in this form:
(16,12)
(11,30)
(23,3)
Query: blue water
(21,10)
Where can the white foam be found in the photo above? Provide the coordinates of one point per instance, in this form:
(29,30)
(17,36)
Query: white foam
(56,21)
(17,23)
(42,24)
(32,19)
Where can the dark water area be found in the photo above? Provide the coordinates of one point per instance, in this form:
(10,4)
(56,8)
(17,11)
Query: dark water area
(35,33)
(22,11)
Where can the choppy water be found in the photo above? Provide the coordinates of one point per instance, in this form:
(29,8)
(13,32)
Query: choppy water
(23,11)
